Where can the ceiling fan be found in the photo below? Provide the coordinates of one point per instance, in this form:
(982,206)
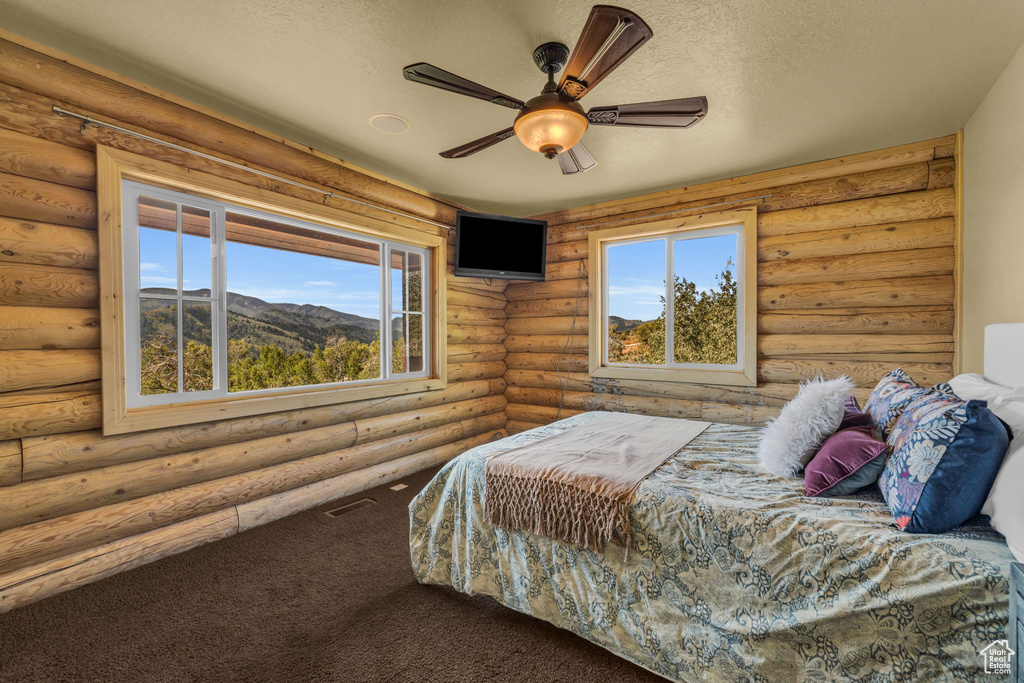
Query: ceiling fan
(553,122)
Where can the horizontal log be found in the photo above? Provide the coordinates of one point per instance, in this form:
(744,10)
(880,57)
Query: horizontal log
(32,327)
(32,157)
(46,244)
(475,334)
(25,284)
(569,251)
(566,270)
(830,168)
(469,297)
(519,426)
(488,285)
(864,374)
(465,315)
(729,413)
(561,324)
(263,510)
(28,544)
(765,394)
(909,263)
(873,183)
(548,343)
(49,368)
(467,372)
(945,150)
(920,291)
(894,359)
(938,232)
(396,424)
(52,78)
(909,206)
(10,462)
(906,320)
(556,289)
(38,200)
(585,401)
(547,361)
(24,586)
(48,456)
(475,353)
(802,345)
(541,415)
(941,173)
(48,411)
(549,307)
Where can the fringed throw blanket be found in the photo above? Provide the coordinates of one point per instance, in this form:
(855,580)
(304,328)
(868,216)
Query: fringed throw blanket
(576,486)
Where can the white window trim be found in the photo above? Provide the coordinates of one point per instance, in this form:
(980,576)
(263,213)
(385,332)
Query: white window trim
(115,166)
(741,222)
(132,190)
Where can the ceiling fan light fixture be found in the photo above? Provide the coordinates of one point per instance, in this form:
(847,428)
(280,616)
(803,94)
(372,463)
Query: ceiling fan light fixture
(550,125)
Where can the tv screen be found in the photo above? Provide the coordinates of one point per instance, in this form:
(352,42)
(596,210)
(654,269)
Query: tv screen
(499,246)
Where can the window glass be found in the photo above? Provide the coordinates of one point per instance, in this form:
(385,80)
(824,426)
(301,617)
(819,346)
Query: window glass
(704,300)
(158,246)
(636,302)
(158,346)
(303,306)
(196,264)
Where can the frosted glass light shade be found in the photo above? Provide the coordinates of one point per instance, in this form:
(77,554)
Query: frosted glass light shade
(550,131)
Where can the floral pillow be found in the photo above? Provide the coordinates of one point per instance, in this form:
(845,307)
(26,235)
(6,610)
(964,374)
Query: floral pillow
(946,453)
(889,398)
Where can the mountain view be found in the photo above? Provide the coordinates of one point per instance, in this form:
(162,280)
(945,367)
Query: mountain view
(270,345)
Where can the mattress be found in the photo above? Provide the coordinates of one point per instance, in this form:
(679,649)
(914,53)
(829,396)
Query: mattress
(734,575)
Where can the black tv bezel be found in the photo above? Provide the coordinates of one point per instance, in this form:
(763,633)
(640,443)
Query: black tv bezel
(501,274)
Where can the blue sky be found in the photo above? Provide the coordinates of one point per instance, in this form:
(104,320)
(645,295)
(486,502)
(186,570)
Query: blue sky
(636,271)
(269,274)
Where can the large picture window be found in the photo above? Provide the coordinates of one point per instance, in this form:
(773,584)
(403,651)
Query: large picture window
(227,308)
(675,300)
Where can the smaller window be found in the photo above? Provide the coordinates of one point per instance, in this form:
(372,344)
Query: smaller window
(676,300)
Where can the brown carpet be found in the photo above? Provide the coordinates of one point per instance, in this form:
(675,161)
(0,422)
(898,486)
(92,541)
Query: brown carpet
(306,598)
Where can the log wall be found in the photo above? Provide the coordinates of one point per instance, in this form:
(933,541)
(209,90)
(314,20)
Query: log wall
(76,506)
(856,275)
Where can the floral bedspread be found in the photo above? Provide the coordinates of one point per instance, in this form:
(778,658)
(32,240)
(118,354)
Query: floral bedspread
(735,575)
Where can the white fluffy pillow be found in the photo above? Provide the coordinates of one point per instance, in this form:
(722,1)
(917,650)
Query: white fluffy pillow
(790,440)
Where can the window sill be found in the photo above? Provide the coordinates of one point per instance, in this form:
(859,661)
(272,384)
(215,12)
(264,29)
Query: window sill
(177,414)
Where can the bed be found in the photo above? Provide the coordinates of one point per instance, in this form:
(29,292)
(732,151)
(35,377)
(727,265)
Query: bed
(734,573)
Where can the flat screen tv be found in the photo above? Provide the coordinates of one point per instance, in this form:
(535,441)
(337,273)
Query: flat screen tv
(500,247)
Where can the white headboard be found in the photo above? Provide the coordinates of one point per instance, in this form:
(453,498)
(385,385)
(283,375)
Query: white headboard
(1004,354)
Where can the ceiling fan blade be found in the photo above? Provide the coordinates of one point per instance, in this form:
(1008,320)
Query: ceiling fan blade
(429,74)
(577,159)
(478,145)
(610,35)
(681,113)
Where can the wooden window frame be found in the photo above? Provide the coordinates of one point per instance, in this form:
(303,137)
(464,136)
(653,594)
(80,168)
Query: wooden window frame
(745,374)
(115,166)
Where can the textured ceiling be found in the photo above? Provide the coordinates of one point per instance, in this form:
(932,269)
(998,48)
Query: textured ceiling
(789,81)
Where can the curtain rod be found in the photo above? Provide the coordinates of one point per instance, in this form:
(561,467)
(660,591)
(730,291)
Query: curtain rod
(669,213)
(86,120)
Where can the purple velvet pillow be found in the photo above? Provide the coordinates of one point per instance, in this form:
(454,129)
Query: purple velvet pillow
(848,461)
(852,416)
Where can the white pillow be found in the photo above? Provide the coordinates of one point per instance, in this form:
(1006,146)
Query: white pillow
(790,441)
(1004,504)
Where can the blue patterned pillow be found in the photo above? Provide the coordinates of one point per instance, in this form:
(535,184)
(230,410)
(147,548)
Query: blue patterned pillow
(946,453)
(889,398)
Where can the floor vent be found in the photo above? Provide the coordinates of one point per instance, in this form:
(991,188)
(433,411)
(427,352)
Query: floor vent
(338,512)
